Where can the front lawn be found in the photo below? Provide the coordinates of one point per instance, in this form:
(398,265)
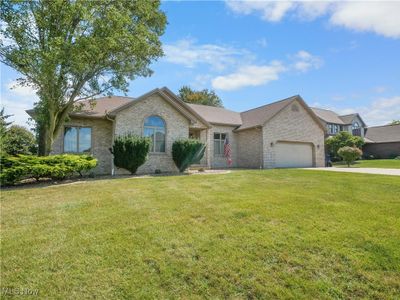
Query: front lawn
(248,234)
(372,163)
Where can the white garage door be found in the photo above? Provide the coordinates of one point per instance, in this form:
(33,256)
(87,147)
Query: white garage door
(293,155)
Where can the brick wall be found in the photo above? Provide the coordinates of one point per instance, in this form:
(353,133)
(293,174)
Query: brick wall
(101,141)
(382,150)
(295,126)
(132,120)
(250,148)
(219,161)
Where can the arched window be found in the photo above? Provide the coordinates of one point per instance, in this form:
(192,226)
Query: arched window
(356,125)
(154,128)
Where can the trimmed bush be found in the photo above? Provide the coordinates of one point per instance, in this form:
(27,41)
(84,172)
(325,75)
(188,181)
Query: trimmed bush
(342,139)
(130,151)
(16,168)
(186,152)
(349,154)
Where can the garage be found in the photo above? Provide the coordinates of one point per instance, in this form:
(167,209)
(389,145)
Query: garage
(293,155)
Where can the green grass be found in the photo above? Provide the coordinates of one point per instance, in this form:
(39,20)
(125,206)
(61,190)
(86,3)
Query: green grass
(248,234)
(373,163)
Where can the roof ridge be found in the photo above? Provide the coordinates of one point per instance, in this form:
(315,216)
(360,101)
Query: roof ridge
(313,107)
(294,96)
(384,125)
(348,115)
(105,97)
(218,107)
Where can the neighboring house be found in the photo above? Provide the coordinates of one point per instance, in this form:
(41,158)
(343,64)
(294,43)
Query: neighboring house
(286,133)
(335,123)
(382,141)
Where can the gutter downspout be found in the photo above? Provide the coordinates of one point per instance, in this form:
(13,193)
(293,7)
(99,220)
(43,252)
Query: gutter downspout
(112,141)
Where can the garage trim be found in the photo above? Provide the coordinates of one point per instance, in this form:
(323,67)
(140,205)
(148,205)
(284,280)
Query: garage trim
(297,142)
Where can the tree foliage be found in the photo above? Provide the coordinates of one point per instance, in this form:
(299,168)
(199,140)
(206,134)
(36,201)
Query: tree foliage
(76,49)
(204,97)
(395,122)
(349,154)
(130,152)
(19,140)
(186,152)
(342,139)
(3,125)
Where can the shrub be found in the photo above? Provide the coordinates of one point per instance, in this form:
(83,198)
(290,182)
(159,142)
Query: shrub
(186,152)
(19,140)
(349,154)
(342,139)
(130,152)
(15,168)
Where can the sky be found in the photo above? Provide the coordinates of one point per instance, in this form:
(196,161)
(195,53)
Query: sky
(343,56)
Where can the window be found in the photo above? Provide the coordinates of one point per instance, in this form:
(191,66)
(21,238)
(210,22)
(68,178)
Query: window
(77,139)
(333,128)
(154,128)
(219,140)
(355,125)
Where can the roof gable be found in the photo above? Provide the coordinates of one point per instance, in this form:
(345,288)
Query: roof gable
(328,116)
(262,115)
(348,119)
(165,94)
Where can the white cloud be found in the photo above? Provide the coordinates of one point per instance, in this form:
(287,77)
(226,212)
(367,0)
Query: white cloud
(378,112)
(201,81)
(16,99)
(270,11)
(19,90)
(249,75)
(262,42)
(189,54)
(379,16)
(304,61)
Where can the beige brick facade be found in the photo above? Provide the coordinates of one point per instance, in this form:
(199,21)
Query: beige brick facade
(294,125)
(250,148)
(219,161)
(101,141)
(131,120)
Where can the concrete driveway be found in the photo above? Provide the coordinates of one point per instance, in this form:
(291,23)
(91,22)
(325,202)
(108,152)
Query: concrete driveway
(395,172)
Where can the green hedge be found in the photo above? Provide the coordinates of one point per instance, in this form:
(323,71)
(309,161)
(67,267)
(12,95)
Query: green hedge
(16,168)
(130,151)
(186,152)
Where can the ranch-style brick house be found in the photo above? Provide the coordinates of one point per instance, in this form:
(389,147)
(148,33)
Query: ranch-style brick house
(282,134)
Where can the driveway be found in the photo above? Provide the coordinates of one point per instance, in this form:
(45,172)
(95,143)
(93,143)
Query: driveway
(395,172)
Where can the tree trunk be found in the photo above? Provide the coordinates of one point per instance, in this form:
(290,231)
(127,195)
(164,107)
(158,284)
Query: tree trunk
(45,142)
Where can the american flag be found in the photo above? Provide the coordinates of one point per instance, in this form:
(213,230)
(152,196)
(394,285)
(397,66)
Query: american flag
(227,151)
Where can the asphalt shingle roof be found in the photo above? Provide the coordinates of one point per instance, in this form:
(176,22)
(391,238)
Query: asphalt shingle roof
(347,119)
(102,106)
(217,115)
(328,116)
(258,116)
(383,134)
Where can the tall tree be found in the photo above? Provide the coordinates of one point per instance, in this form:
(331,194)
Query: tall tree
(204,97)
(77,49)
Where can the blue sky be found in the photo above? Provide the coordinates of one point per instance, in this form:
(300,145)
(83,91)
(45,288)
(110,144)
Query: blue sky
(342,56)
